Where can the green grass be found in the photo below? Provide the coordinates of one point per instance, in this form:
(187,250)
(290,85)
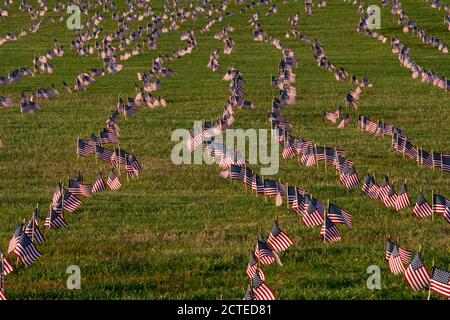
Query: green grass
(181,232)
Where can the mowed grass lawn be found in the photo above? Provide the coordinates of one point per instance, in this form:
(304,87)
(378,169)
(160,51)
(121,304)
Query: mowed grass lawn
(180,231)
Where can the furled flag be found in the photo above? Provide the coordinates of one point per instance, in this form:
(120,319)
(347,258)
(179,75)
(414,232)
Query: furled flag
(440,281)
(32,229)
(403,200)
(339,216)
(55,221)
(265,254)
(99,184)
(278,239)
(15,238)
(416,274)
(422,209)
(252,266)
(113,181)
(312,217)
(26,250)
(6,267)
(260,290)
(344,122)
(395,262)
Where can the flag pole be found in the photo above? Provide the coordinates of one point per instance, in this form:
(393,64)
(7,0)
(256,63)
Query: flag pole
(287,195)
(432,158)
(432,205)
(429,286)
(325,151)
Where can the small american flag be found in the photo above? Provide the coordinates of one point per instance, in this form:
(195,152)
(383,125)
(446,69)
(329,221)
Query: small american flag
(32,231)
(103,154)
(2,290)
(416,274)
(339,216)
(348,177)
(395,262)
(99,185)
(312,217)
(249,295)
(252,267)
(437,159)
(422,209)
(424,159)
(70,202)
(15,238)
(405,255)
(84,149)
(6,267)
(113,181)
(55,221)
(331,116)
(344,122)
(270,187)
(279,240)
(260,290)
(446,162)
(330,232)
(440,281)
(389,248)
(26,250)
(265,254)
(391,197)
(440,204)
(403,200)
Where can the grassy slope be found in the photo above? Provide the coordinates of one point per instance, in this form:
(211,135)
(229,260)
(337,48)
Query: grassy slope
(182,232)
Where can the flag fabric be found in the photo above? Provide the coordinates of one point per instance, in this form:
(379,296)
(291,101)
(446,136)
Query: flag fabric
(260,290)
(237,172)
(278,239)
(440,204)
(99,184)
(330,232)
(249,295)
(446,162)
(391,197)
(26,250)
(440,282)
(15,238)
(405,255)
(344,122)
(270,187)
(422,208)
(424,159)
(403,200)
(331,116)
(395,262)
(84,149)
(57,194)
(348,177)
(79,188)
(339,216)
(258,185)
(103,154)
(312,217)
(32,231)
(437,159)
(113,181)
(389,248)
(2,291)
(252,267)
(416,275)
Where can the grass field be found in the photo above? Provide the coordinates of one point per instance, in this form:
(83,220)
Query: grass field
(181,232)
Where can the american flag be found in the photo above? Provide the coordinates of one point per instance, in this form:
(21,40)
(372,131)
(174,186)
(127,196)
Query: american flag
(32,229)
(367,125)
(78,188)
(330,154)
(424,159)
(99,184)
(108,137)
(252,266)
(440,204)
(391,197)
(289,150)
(446,162)
(15,238)
(57,194)
(248,178)
(291,194)
(237,172)
(265,254)
(440,281)
(384,189)
(2,290)
(312,217)
(329,231)
(331,116)
(278,239)
(94,141)
(270,187)
(422,209)
(416,274)
(26,250)
(320,153)
(55,221)
(405,255)
(119,157)
(249,295)
(437,160)
(113,181)
(395,262)
(84,149)
(70,202)
(260,290)
(389,248)
(403,200)
(348,177)
(308,158)
(103,154)
(410,150)
(339,216)
(298,205)
(6,267)
(258,184)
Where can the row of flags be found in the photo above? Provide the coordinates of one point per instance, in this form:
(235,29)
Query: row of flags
(265,253)
(410,25)
(415,272)
(402,145)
